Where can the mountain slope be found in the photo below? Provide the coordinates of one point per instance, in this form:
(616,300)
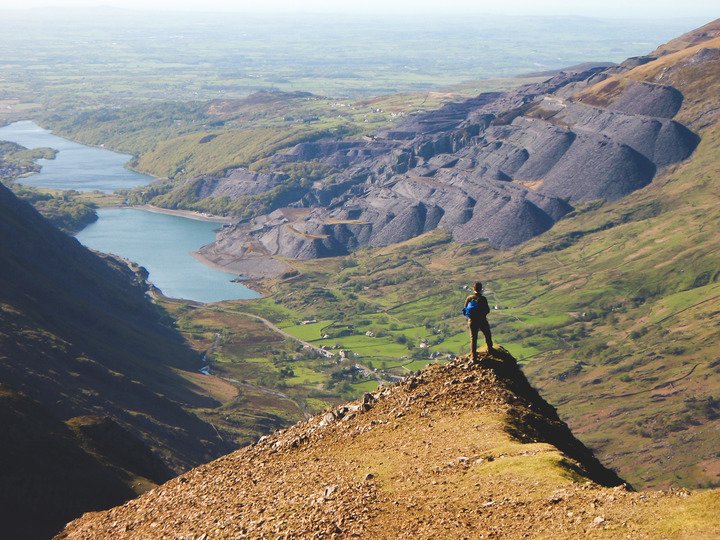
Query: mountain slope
(80,335)
(48,466)
(466,449)
(81,343)
(501,167)
(658,274)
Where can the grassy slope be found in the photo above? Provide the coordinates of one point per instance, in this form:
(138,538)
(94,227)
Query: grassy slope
(653,284)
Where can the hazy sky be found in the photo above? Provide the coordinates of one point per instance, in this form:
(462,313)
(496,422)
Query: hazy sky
(709,9)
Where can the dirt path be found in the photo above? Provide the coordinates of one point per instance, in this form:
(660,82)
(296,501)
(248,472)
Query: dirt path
(270,392)
(199,216)
(267,323)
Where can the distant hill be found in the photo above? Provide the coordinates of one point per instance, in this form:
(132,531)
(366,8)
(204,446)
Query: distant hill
(81,343)
(576,68)
(502,167)
(465,450)
(705,33)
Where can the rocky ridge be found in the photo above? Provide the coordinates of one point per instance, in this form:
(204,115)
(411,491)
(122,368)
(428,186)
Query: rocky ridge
(467,449)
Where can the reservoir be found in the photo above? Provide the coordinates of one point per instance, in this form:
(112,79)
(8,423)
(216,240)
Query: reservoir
(161,243)
(76,166)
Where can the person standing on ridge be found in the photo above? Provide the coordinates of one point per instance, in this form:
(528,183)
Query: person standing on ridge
(476,310)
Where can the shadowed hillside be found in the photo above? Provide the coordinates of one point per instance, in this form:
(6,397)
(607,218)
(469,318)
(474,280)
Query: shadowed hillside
(82,342)
(49,465)
(468,449)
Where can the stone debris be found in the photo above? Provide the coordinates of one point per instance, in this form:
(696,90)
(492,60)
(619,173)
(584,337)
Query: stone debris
(328,477)
(526,157)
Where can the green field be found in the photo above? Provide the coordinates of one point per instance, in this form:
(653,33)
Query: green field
(307,332)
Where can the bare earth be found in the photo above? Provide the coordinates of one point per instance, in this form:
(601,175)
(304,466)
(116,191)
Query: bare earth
(183,213)
(466,450)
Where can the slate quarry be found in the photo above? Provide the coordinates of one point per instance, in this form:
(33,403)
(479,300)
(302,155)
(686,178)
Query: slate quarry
(500,167)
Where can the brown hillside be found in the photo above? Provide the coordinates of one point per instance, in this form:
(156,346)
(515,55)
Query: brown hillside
(690,64)
(464,450)
(704,33)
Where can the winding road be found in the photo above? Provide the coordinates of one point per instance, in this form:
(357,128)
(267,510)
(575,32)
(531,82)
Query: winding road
(267,323)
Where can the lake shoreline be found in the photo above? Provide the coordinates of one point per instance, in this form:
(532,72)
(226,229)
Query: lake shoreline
(189,214)
(76,166)
(164,244)
(160,239)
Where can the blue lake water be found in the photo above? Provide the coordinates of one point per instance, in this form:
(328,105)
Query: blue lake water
(76,166)
(163,244)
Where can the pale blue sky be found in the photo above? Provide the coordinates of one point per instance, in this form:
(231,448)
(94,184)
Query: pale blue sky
(709,9)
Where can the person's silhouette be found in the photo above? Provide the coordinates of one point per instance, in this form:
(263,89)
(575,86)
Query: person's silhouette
(477,318)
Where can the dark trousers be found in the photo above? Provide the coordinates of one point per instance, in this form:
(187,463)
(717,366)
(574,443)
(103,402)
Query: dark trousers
(479,325)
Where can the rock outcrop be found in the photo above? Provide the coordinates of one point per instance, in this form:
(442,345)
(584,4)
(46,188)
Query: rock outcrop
(465,450)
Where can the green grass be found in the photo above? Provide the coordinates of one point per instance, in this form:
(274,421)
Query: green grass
(683,300)
(266,308)
(416,365)
(305,375)
(372,347)
(366,386)
(308,332)
(457,343)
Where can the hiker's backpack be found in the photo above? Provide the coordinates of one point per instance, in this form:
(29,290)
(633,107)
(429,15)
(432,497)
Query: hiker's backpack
(472,310)
(476,308)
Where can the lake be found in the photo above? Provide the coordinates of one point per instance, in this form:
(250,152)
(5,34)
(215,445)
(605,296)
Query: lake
(163,245)
(76,166)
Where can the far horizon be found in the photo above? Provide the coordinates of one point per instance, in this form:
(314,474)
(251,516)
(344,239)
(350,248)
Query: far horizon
(238,244)
(645,10)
